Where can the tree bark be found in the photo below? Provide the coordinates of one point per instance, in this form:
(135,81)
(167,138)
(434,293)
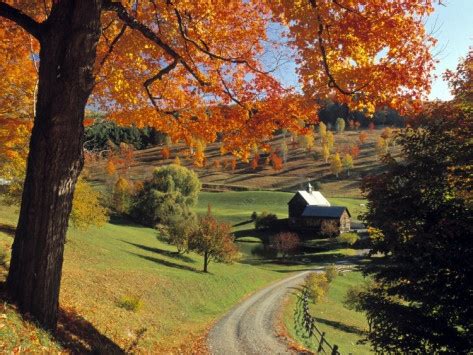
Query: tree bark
(68,48)
(206,261)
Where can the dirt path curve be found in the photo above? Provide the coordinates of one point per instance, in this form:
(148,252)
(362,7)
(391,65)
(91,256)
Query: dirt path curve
(249,328)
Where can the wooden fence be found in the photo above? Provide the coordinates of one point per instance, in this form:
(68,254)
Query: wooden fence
(310,326)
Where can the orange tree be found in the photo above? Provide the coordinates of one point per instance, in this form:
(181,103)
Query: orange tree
(191,69)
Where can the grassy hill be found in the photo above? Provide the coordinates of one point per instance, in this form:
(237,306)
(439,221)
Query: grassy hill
(299,169)
(176,302)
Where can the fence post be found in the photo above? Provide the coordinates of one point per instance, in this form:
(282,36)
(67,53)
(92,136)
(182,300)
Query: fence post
(321,344)
(335,350)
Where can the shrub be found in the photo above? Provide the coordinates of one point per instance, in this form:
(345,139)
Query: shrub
(331,272)
(121,197)
(265,220)
(316,285)
(177,232)
(285,243)
(130,303)
(87,209)
(329,228)
(348,239)
(3,257)
(167,195)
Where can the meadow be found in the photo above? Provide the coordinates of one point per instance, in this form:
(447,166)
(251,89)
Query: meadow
(173,302)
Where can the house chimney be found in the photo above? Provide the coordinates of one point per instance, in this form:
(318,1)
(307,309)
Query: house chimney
(309,188)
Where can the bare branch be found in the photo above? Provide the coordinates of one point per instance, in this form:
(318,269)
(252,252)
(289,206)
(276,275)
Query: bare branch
(133,23)
(158,76)
(112,45)
(21,19)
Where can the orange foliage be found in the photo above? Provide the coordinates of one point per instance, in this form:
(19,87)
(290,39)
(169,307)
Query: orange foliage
(362,137)
(255,162)
(355,151)
(215,83)
(276,161)
(165,153)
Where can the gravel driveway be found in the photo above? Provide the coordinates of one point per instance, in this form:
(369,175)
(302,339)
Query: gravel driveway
(249,328)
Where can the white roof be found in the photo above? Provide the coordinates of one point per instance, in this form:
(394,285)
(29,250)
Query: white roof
(314,198)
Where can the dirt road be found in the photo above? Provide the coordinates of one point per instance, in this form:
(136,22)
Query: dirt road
(249,328)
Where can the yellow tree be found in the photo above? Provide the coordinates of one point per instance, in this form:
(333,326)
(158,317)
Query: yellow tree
(188,68)
(336,164)
(325,152)
(348,163)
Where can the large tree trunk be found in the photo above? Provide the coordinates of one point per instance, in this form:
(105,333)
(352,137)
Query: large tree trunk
(68,48)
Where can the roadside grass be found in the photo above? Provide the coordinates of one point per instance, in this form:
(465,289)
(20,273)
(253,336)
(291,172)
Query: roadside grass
(342,326)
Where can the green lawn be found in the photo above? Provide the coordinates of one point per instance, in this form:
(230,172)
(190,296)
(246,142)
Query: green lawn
(342,326)
(236,207)
(178,302)
(104,264)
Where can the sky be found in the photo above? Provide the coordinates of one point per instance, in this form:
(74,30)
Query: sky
(454,32)
(451,24)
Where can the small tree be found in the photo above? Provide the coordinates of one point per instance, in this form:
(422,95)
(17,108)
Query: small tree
(381,146)
(121,197)
(265,220)
(325,152)
(165,153)
(340,125)
(317,286)
(285,243)
(170,192)
(362,137)
(284,151)
(331,272)
(178,231)
(330,140)
(329,228)
(322,130)
(213,240)
(348,239)
(87,211)
(336,164)
(348,163)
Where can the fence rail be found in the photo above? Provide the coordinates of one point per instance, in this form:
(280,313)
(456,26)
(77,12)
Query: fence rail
(310,326)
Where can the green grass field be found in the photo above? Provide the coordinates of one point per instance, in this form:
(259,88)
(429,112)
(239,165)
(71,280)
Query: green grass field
(342,326)
(178,303)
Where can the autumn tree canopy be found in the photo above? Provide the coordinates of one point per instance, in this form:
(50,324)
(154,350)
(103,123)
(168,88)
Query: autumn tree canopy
(191,69)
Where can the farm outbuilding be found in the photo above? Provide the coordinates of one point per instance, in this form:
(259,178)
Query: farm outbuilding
(310,211)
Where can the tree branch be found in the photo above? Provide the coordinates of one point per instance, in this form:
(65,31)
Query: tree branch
(21,19)
(158,76)
(133,23)
(112,45)
(332,82)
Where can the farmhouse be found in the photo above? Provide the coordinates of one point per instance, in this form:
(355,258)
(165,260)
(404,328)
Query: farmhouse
(310,211)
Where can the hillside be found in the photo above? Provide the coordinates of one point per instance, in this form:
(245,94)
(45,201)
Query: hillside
(177,303)
(300,168)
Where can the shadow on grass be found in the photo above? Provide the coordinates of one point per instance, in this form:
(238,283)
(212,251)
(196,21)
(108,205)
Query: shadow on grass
(242,223)
(79,336)
(164,262)
(8,229)
(123,221)
(168,253)
(74,333)
(341,326)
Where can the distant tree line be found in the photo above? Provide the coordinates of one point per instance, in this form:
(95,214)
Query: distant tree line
(331,111)
(102,132)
